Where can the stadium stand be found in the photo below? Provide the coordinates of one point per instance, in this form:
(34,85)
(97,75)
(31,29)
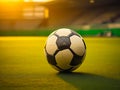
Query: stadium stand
(78,14)
(76,17)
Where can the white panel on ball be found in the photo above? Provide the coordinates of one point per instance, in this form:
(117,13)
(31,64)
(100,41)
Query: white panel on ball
(63,32)
(51,46)
(63,59)
(77,45)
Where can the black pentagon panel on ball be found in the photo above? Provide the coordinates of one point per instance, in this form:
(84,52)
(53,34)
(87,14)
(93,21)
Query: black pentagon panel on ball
(51,59)
(63,42)
(76,60)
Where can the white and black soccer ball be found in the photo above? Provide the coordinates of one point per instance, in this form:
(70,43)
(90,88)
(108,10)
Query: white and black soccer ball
(65,50)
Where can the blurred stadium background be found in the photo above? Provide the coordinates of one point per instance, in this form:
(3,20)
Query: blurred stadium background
(40,17)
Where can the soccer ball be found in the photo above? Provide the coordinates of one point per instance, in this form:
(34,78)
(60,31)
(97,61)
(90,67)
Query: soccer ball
(65,50)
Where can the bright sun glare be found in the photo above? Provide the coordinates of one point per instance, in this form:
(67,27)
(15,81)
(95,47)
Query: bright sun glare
(25,0)
(37,0)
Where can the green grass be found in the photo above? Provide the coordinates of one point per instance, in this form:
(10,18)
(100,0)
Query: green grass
(23,66)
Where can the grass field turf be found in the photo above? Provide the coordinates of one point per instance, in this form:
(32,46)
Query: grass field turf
(23,66)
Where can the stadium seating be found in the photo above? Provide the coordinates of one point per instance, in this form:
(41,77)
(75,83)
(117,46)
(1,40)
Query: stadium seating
(98,16)
(67,16)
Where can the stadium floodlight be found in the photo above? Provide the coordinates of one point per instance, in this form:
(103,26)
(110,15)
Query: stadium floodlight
(92,1)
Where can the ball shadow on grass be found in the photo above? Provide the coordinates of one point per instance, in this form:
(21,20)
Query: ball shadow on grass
(86,81)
